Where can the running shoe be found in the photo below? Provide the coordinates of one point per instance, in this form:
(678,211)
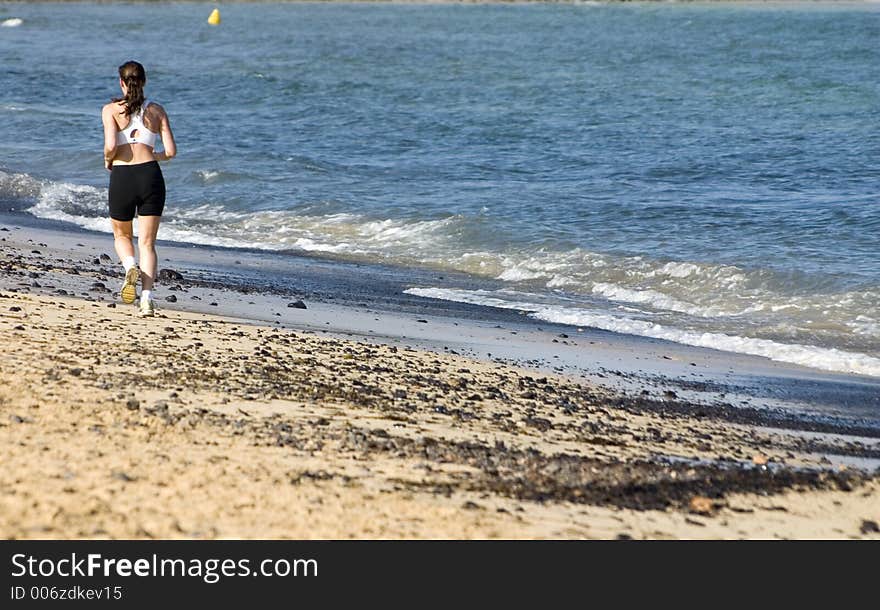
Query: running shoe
(129,287)
(147,309)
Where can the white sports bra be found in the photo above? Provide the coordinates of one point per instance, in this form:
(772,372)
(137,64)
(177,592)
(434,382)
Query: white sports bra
(137,132)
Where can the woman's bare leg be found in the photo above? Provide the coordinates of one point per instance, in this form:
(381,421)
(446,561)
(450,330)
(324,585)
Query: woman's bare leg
(122,238)
(148,227)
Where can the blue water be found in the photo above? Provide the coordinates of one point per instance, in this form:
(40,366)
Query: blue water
(701,173)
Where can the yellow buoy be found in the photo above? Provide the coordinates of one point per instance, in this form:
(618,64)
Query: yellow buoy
(214,18)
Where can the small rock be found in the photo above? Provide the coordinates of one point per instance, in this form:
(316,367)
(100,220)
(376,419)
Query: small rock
(297,305)
(869,527)
(670,394)
(471,505)
(171,298)
(540,423)
(105,257)
(133,404)
(169,275)
(701,505)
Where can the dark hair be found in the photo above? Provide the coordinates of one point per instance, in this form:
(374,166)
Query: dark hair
(134,77)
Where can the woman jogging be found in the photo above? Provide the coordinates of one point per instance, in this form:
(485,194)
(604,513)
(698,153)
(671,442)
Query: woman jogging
(132,124)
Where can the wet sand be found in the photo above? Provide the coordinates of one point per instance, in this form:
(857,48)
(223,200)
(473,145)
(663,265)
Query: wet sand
(195,425)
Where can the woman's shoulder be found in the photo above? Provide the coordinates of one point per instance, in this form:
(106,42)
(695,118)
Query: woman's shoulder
(156,107)
(112,108)
(155,111)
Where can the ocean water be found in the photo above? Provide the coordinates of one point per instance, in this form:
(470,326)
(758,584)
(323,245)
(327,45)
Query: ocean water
(707,174)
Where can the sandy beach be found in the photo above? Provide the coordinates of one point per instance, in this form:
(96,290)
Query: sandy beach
(202,425)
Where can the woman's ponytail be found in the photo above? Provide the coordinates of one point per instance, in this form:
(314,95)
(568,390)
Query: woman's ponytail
(134,77)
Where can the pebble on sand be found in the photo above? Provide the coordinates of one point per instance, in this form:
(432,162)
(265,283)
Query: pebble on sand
(169,275)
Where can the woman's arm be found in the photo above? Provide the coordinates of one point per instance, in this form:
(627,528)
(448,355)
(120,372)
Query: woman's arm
(110,130)
(168,143)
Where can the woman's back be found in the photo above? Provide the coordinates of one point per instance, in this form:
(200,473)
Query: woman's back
(136,152)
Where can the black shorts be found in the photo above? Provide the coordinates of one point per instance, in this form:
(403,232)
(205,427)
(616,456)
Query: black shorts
(136,188)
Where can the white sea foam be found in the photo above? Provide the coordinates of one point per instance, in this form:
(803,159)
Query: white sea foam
(675,269)
(208,175)
(18,185)
(74,203)
(401,232)
(14,22)
(560,281)
(829,359)
(310,245)
(648,297)
(863,325)
(517,274)
(214,225)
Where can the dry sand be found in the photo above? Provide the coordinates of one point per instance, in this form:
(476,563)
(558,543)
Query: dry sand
(190,425)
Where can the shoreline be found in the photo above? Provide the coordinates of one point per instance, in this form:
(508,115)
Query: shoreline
(370,301)
(199,425)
